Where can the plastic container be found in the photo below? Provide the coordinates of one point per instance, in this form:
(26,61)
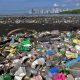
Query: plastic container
(53,72)
(75,69)
(60,76)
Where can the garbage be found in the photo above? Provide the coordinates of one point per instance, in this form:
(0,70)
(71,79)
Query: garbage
(50,52)
(7,77)
(70,77)
(71,55)
(66,71)
(47,55)
(60,76)
(26,43)
(72,61)
(53,70)
(12,39)
(75,69)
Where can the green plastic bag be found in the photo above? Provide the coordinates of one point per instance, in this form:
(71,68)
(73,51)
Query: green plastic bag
(21,48)
(1,77)
(62,52)
(73,44)
(25,42)
(66,71)
(7,77)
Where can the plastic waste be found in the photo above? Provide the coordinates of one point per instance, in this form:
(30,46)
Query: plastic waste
(50,52)
(72,61)
(53,70)
(60,76)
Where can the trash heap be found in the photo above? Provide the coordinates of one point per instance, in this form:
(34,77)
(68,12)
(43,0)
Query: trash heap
(49,55)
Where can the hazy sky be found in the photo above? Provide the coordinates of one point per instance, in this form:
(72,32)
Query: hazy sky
(21,6)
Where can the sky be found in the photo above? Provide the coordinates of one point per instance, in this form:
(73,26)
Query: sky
(22,6)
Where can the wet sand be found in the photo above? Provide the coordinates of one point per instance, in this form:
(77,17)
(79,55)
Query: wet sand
(5,28)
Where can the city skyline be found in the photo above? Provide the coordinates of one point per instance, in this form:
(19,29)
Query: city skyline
(22,6)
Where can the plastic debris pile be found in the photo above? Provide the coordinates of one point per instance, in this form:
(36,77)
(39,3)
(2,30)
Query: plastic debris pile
(53,55)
